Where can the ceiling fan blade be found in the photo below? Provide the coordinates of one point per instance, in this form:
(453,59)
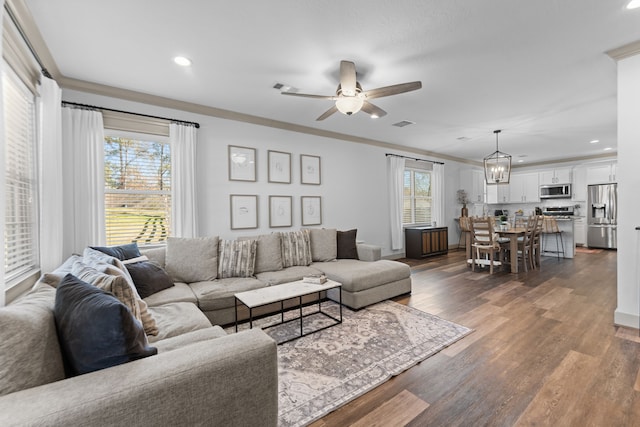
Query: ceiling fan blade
(373,110)
(306,95)
(327,113)
(392,90)
(348,78)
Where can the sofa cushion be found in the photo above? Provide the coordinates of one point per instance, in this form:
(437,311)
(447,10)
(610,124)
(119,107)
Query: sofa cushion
(268,252)
(218,294)
(236,258)
(29,348)
(148,277)
(289,274)
(296,248)
(192,259)
(324,244)
(179,292)
(358,275)
(95,329)
(122,252)
(347,248)
(180,341)
(156,255)
(176,319)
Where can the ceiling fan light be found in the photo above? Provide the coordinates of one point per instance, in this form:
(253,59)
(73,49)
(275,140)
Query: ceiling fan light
(349,104)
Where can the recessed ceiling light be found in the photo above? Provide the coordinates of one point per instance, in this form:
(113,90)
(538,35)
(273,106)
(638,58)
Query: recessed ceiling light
(607,149)
(374,116)
(520,161)
(594,141)
(182,61)
(633,4)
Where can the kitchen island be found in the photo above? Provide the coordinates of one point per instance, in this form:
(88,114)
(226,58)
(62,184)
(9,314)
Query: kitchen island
(567,227)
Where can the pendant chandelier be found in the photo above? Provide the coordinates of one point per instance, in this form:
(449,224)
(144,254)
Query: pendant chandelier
(497,166)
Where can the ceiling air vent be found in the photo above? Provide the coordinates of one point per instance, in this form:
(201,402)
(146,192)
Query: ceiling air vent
(403,123)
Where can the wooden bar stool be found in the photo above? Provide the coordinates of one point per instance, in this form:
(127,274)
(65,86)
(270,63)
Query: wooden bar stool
(550,227)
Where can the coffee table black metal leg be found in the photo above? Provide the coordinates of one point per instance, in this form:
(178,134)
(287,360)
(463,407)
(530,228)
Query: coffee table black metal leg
(236,315)
(340,292)
(300,305)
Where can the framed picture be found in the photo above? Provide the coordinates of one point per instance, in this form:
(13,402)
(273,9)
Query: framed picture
(244,211)
(309,169)
(311,210)
(280,211)
(279,167)
(242,163)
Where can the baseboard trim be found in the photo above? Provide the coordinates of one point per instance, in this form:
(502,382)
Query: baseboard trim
(626,319)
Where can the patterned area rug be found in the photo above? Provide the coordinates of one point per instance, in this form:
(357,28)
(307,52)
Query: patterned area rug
(325,370)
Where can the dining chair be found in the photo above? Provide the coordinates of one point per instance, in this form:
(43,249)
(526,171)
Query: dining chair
(525,243)
(536,241)
(484,243)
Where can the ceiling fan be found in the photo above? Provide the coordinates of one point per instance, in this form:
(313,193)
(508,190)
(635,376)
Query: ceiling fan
(350,98)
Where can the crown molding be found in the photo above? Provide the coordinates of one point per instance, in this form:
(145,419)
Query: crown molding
(625,51)
(611,156)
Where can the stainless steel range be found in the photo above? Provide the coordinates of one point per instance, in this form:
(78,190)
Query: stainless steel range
(559,212)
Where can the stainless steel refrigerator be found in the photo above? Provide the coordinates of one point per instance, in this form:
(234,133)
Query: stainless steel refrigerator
(602,216)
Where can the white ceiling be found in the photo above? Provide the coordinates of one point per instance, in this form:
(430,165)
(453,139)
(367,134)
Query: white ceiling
(536,69)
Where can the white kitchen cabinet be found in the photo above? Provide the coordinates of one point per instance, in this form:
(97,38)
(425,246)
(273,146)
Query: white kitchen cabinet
(498,193)
(556,176)
(579,187)
(602,174)
(524,188)
(472,181)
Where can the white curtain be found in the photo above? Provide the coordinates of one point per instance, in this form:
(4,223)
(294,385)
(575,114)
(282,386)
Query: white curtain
(183,177)
(395,179)
(50,174)
(2,170)
(437,195)
(83,177)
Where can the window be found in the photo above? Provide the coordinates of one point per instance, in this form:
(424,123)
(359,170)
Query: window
(417,197)
(137,188)
(21,220)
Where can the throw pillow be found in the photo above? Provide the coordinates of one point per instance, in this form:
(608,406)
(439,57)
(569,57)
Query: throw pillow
(268,252)
(117,285)
(122,252)
(149,278)
(347,248)
(95,330)
(296,248)
(324,244)
(190,260)
(114,266)
(236,258)
(29,348)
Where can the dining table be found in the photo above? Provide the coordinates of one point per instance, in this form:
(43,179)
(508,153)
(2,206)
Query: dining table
(512,233)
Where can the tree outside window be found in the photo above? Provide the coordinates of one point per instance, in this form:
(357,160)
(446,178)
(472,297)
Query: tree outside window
(417,197)
(137,190)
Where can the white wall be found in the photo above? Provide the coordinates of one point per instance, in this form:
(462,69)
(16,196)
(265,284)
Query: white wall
(628,195)
(353,190)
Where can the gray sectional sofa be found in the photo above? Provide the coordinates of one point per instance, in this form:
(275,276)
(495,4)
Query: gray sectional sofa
(200,374)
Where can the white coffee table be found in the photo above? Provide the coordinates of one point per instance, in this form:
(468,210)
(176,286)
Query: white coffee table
(287,291)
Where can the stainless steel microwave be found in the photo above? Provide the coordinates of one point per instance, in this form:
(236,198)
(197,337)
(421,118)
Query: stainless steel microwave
(555,191)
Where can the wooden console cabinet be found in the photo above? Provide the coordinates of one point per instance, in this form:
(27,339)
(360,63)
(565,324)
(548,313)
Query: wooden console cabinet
(421,242)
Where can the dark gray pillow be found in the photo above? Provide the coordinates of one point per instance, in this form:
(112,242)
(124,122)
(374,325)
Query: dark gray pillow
(122,252)
(95,330)
(148,278)
(347,248)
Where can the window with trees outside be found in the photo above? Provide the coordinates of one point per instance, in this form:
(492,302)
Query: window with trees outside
(417,197)
(137,188)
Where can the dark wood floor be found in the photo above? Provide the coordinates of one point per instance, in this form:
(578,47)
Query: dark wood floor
(544,351)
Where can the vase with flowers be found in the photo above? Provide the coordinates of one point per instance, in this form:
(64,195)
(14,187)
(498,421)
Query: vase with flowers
(463,200)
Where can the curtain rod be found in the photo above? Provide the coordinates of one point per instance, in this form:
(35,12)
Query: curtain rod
(413,158)
(43,69)
(93,107)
